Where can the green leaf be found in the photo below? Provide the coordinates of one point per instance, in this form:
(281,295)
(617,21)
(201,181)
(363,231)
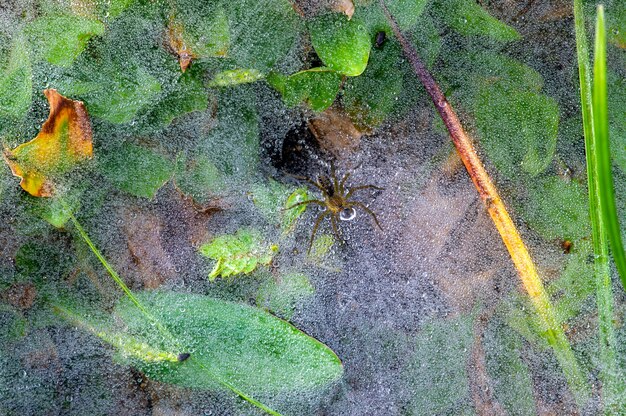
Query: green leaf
(230,344)
(343,45)
(282,294)
(238,254)
(372,97)
(517,128)
(557,208)
(264,32)
(187,96)
(469,18)
(199,178)
(318,87)
(236,134)
(406,12)
(60,38)
(438,375)
(203,28)
(16,85)
(235,77)
(511,378)
(58,209)
(137,170)
(291,215)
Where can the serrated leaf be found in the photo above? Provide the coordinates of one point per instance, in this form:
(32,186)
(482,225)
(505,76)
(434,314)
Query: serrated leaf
(237,254)
(137,170)
(64,141)
(60,38)
(343,45)
(469,18)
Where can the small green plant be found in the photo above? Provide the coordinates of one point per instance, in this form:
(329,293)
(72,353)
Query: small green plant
(238,254)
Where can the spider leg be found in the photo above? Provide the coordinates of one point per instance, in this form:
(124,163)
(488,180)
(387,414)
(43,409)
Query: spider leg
(333,177)
(333,221)
(309,201)
(310,181)
(369,211)
(315,227)
(356,188)
(343,182)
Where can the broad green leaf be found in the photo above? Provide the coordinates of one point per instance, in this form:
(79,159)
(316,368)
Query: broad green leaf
(438,375)
(372,97)
(187,96)
(64,141)
(343,45)
(469,18)
(262,33)
(199,178)
(517,128)
(406,13)
(235,77)
(283,293)
(60,38)
(119,98)
(16,83)
(318,87)
(233,145)
(240,253)
(557,208)
(200,29)
(229,343)
(291,215)
(137,170)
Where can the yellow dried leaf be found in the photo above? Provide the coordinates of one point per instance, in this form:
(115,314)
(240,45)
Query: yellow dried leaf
(64,140)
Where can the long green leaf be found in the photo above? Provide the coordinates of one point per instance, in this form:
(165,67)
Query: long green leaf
(612,385)
(603,153)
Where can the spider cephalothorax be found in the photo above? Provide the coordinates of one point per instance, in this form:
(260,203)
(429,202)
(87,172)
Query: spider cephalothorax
(336,201)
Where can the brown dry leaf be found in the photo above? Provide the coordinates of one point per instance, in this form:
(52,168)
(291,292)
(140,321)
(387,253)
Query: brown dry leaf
(335,132)
(143,234)
(344,6)
(65,140)
(178,45)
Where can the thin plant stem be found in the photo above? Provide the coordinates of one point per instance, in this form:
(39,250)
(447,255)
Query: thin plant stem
(158,324)
(508,232)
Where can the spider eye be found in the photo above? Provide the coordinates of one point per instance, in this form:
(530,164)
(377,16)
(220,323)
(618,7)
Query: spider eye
(347,214)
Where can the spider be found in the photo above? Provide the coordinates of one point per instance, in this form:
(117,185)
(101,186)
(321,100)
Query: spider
(336,201)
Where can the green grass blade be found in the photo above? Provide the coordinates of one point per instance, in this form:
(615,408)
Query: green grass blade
(613,387)
(603,154)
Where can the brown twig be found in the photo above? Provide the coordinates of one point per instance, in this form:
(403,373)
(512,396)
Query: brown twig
(500,217)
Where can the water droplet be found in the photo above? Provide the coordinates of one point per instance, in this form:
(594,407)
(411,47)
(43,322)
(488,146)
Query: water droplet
(347,214)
